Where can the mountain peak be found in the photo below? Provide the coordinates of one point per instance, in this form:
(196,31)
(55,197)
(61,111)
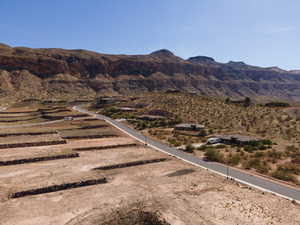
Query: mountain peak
(4,45)
(163,53)
(238,63)
(201,59)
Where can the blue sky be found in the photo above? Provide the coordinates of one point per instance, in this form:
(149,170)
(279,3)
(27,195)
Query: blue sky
(258,32)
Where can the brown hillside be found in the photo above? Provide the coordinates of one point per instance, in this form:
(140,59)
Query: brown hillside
(57,73)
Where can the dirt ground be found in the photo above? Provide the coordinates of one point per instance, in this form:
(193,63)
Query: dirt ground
(183,194)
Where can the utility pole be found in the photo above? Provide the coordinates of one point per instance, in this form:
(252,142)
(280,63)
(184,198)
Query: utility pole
(145,140)
(227,172)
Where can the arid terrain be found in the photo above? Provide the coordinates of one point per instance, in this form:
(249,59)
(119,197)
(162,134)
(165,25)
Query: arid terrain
(72,74)
(278,157)
(163,191)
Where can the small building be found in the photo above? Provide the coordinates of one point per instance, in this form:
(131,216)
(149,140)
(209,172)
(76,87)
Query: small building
(236,139)
(109,100)
(150,117)
(127,109)
(189,127)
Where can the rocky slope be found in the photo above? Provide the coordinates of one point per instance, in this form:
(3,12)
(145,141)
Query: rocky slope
(59,73)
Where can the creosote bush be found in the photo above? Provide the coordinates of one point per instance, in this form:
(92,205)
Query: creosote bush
(212,154)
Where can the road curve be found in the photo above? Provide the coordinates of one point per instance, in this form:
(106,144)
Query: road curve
(240,176)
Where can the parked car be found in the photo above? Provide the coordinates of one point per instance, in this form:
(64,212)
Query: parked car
(68,118)
(214,140)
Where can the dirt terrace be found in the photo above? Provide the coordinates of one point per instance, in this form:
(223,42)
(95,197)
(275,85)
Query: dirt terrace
(183,194)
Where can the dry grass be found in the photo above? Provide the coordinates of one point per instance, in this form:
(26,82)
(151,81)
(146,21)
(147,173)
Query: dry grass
(220,117)
(134,214)
(217,115)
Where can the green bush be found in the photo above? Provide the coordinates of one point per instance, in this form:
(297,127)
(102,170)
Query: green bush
(202,148)
(174,142)
(277,104)
(283,175)
(202,133)
(266,142)
(189,148)
(291,168)
(249,148)
(213,155)
(220,146)
(258,166)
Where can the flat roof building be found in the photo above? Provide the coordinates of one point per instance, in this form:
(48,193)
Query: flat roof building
(189,127)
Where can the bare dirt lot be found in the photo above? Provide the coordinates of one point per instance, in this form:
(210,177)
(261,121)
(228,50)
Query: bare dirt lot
(182,194)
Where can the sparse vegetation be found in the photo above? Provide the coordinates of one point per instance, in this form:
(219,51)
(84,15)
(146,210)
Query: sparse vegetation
(212,154)
(283,175)
(277,104)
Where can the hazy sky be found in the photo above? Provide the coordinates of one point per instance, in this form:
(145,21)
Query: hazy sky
(258,32)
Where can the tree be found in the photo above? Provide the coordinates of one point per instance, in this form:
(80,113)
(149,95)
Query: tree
(189,148)
(247,102)
(227,100)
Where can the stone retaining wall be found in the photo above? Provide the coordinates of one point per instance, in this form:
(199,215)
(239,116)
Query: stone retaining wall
(32,144)
(38,159)
(129,164)
(29,133)
(90,136)
(94,126)
(4,112)
(92,119)
(58,187)
(105,147)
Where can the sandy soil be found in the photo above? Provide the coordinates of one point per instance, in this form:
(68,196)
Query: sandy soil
(182,193)
(29,138)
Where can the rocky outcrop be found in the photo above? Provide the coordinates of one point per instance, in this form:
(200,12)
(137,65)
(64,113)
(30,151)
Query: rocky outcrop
(58,73)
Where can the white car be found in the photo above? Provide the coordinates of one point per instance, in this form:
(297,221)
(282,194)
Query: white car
(213,140)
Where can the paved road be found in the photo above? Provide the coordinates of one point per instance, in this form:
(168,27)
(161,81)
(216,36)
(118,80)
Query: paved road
(245,178)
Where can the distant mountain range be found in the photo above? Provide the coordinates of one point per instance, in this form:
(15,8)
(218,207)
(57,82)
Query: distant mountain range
(60,73)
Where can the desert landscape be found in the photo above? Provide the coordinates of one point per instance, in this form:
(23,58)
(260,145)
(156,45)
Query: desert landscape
(117,180)
(149,112)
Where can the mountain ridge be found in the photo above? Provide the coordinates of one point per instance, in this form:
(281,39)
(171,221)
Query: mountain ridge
(74,73)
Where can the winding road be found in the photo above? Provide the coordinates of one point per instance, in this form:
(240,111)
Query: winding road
(254,181)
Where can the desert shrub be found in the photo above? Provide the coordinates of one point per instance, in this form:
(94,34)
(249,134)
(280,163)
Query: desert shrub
(247,102)
(249,148)
(202,133)
(202,148)
(266,142)
(290,167)
(258,154)
(261,167)
(233,159)
(274,154)
(108,111)
(291,149)
(220,146)
(283,175)
(257,145)
(189,148)
(174,142)
(214,155)
(277,104)
(134,214)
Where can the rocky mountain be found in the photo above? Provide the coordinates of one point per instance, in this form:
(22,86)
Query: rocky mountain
(60,73)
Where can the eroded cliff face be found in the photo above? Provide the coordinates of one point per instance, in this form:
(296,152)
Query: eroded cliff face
(59,73)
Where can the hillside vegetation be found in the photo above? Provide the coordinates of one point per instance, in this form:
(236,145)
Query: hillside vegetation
(218,115)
